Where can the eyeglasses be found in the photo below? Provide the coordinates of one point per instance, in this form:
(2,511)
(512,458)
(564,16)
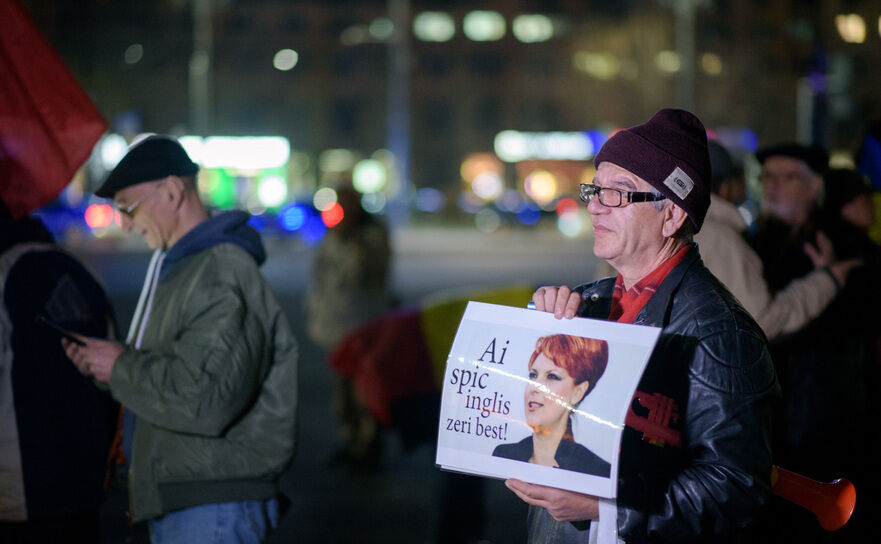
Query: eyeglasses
(787,177)
(129,211)
(614,198)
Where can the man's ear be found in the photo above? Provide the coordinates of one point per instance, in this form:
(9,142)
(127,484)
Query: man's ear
(674,218)
(174,190)
(815,182)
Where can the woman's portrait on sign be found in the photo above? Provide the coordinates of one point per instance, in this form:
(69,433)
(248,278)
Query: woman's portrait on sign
(563,370)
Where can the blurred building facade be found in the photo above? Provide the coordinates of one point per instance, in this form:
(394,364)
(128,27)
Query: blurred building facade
(318,71)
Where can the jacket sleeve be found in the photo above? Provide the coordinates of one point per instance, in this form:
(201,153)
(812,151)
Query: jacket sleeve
(724,478)
(204,377)
(735,263)
(794,306)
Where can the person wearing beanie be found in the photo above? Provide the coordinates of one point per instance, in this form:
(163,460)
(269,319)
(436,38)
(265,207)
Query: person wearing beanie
(733,261)
(708,480)
(209,365)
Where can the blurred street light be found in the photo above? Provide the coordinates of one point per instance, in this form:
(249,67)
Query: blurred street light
(285,59)
(484,26)
(532,28)
(605,66)
(711,63)
(851,27)
(134,53)
(434,26)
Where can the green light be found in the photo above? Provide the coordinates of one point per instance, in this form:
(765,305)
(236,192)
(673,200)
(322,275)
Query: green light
(221,188)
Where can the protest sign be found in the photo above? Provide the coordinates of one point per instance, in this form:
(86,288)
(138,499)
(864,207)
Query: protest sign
(540,399)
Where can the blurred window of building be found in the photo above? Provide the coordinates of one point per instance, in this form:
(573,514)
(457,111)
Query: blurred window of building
(435,63)
(346,114)
(485,63)
(487,113)
(436,116)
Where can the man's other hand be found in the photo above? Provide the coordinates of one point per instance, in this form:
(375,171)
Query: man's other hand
(562,505)
(562,301)
(96,358)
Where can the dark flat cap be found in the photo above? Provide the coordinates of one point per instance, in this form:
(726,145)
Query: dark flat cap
(813,155)
(153,158)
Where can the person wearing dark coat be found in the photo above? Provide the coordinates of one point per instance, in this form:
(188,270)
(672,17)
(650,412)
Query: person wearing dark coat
(56,426)
(820,421)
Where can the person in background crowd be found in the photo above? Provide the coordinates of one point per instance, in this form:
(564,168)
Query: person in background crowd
(792,188)
(210,368)
(56,426)
(820,428)
(848,216)
(868,163)
(349,285)
(733,261)
(710,365)
(868,155)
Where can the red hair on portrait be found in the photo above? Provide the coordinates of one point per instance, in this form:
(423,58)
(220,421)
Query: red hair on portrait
(584,359)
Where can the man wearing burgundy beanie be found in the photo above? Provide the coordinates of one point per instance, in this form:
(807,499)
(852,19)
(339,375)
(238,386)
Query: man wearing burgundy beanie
(705,477)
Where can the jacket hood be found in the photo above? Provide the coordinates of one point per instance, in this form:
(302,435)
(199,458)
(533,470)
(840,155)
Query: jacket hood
(223,228)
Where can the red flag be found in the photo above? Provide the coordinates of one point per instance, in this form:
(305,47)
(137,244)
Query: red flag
(48,125)
(387,360)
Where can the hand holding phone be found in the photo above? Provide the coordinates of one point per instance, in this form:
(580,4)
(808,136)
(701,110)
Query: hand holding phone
(59,329)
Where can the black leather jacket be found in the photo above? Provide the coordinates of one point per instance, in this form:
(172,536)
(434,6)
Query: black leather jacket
(711,380)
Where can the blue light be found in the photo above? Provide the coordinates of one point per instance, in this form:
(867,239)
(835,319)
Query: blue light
(258,222)
(430,200)
(749,140)
(293,217)
(597,138)
(469,203)
(528,213)
(313,230)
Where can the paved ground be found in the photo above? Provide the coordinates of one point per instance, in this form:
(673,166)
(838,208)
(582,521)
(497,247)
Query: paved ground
(403,501)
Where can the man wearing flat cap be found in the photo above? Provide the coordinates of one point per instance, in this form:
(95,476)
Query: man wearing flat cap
(731,259)
(209,366)
(709,479)
(824,415)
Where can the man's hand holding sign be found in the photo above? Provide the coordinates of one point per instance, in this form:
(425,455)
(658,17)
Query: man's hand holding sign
(562,505)
(561,301)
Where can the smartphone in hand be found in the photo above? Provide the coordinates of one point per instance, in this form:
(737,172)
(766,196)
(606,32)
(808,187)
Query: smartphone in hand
(59,329)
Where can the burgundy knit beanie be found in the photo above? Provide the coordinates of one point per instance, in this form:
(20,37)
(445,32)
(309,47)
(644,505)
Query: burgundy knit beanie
(670,152)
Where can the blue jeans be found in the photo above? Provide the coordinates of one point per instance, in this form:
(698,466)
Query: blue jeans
(224,523)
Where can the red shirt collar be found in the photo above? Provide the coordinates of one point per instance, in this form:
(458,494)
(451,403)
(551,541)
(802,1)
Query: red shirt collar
(626,305)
